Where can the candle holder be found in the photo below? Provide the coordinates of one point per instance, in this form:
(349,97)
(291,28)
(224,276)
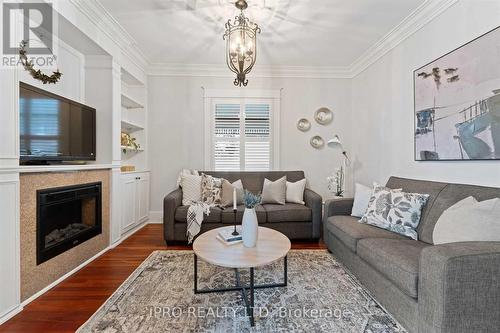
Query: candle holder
(235,232)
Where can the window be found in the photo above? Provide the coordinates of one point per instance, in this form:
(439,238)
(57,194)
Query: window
(241,134)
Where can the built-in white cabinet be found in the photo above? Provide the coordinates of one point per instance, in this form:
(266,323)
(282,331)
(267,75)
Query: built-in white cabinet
(135,199)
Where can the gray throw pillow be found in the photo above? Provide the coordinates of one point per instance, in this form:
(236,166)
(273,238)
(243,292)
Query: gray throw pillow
(396,211)
(274,192)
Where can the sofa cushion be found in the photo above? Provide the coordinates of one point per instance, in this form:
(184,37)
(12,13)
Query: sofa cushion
(227,215)
(350,231)
(214,217)
(290,212)
(396,259)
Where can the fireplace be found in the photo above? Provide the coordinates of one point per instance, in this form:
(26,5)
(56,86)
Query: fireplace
(66,217)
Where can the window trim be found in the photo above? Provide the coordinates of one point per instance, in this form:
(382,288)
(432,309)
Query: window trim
(271,95)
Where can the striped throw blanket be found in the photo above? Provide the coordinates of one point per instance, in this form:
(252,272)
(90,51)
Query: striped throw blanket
(195,218)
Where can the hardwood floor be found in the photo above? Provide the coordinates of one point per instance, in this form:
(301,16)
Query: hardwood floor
(68,305)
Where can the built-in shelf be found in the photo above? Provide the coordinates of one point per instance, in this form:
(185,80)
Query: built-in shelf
(127,148)
(130,103)
(129,127)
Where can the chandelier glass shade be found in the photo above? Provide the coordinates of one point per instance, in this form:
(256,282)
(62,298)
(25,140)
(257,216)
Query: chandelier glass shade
(241,45)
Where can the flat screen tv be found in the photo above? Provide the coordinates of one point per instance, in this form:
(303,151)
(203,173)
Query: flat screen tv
(53,128)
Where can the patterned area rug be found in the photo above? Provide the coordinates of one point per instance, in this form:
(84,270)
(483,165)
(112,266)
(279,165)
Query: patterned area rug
(320,297)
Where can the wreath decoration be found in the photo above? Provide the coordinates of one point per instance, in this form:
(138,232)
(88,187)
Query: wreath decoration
(36,73)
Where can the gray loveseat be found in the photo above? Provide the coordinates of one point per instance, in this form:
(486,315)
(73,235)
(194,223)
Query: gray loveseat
(428,288)
(294,220)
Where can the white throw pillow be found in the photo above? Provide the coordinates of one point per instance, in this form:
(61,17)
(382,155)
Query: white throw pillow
(185,172)
(469,221)
(274,192)
(362,195)
(191,189)
(295,191)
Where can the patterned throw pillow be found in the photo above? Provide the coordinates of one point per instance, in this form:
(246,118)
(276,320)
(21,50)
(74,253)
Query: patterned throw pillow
(211,189)
(395,210)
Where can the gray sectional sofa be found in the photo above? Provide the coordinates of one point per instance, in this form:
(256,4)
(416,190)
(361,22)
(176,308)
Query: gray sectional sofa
(294,220)
(428,288)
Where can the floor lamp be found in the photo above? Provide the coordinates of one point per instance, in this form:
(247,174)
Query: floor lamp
(335,142)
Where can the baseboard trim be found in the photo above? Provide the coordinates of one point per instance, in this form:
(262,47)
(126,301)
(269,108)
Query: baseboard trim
(129,233)
(11,313)
(155,217)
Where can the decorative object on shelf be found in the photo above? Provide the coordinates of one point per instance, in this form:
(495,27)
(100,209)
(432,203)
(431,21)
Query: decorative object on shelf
(304,125)
(36,73)
(323,116)
(250,224)
(127,168)
(336,182)
(241,44)
(457,104)
(129,142)
(317,142)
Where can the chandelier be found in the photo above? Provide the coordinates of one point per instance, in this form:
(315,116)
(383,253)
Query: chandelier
(241,44)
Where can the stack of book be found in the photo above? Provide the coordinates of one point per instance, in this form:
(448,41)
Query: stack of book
(226,236)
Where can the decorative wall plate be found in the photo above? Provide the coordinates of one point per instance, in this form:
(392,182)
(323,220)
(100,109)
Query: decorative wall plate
(317,142)
(303,125)
(323,116)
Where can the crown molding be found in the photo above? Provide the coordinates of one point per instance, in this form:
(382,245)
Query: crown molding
(420,17)
(105,22)
(261,71)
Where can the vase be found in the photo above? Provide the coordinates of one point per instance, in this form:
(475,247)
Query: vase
(250,228)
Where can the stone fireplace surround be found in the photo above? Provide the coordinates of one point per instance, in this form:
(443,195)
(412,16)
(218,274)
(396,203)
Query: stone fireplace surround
(34,278)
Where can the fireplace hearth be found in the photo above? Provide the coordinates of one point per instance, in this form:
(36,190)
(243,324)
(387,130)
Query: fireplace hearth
(66,217)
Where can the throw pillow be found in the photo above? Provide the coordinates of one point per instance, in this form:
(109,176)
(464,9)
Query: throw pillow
(185,172)
(362,195)
(395,211)
(191,189)
(469,221)
(227,193)
(295,191)
(274,192)
(211,189)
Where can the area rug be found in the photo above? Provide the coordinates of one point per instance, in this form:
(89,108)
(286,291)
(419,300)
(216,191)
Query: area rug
(321,296)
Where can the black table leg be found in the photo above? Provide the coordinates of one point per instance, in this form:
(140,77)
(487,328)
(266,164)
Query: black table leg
(285,269)
(195,274)
(249,300)
(252,298)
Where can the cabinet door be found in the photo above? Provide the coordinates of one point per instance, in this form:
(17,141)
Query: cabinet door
(128,202)
(143,197)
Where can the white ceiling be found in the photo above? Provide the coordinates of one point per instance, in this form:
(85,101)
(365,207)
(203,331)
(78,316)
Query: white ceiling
(294,32)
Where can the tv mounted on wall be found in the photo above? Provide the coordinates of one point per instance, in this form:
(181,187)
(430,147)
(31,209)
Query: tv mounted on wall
(53,128)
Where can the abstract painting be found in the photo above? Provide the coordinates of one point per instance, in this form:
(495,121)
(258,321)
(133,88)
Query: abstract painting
(457,103)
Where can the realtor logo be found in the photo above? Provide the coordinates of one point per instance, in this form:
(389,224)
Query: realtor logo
(32,23)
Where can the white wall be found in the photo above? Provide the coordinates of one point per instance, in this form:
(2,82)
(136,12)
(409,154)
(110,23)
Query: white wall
(176,126)
(383,101)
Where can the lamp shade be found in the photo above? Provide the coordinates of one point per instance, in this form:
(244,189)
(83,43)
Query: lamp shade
(335,141)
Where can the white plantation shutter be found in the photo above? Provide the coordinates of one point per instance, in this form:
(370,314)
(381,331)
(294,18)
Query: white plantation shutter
(257,137)
(227,137)
(242,136)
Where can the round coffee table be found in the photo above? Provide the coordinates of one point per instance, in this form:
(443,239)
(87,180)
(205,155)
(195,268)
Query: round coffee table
(271,246)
